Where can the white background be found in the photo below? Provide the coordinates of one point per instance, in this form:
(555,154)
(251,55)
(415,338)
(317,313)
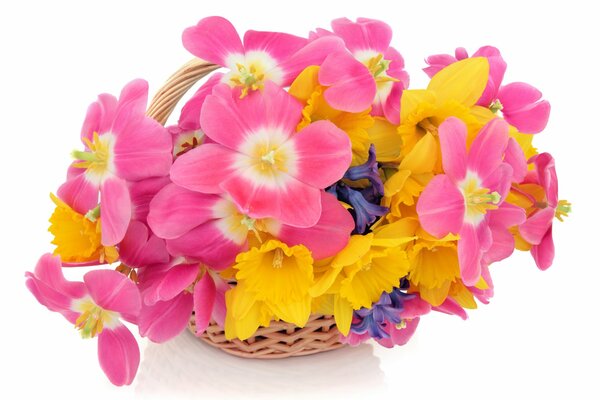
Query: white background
(539,336)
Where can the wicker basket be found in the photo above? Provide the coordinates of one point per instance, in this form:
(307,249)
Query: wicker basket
(280,339)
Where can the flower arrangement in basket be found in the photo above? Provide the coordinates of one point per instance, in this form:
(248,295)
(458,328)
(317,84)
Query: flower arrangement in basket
(305,199)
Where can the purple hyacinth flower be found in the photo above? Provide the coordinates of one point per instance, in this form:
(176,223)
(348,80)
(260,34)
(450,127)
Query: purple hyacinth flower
(386,311)
(369,170)
(365,202)
(364,212)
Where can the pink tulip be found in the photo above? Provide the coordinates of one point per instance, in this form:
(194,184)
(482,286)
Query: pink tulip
(464,199)
(262,57)
(185,218)
(95,306)
(371,74)
(537,230)
(118,138)
(258,159)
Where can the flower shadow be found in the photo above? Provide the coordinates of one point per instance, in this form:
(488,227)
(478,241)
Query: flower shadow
(186,367)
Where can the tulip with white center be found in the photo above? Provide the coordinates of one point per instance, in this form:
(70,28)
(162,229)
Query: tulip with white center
(117,138)
(96,307)
(261,57)
(469,196)
(267,168)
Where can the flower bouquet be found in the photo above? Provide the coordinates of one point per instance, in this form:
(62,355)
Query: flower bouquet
(306,198)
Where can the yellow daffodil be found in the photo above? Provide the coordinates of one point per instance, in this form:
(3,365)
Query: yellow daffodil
(406,183)
(78,237)
(453,91)
(245,314)
(278,277)
(386,139)
(358,275)
(306,88)
(434,270)
(434,266)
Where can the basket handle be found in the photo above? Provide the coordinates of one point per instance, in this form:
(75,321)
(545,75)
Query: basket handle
(165,100)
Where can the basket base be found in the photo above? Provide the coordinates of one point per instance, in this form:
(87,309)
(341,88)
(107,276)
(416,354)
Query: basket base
(279,340)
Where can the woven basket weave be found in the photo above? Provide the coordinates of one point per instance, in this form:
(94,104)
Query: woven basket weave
(280,339)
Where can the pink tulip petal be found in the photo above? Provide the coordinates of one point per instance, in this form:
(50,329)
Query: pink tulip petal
(515,157)
(323,153)
(115,210)
(49,271)
(189,119)
(143,143)
(365,34)
(328,236)
(213,39)
(79,193)
(51,289)
(176,280)
(470,251)
(502,247)
(141,248)
(437,62)
(204,168)
(396,67)
(546,176)
(148,278)
(293,203)
(354,339)
(142,192)
(441,207)
(453,140)
(534,229)
(449,306)
(319,33)
(497,70)
(279,46)
(399,337)
(113,291)
(415,307)
(273,104)
(488,148)
(351,85)
(100,116)
(164,320)
(132,101)
(204,300)
(219,307)
(130,108)
(543,253)
(484,295)
(499,180)
(506,216)
(312,54)
(390,105)
(229,120)
(119,355)
(532,119)
(176,210)
(51,298)
(499,220)
(209,244)
(517,95)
